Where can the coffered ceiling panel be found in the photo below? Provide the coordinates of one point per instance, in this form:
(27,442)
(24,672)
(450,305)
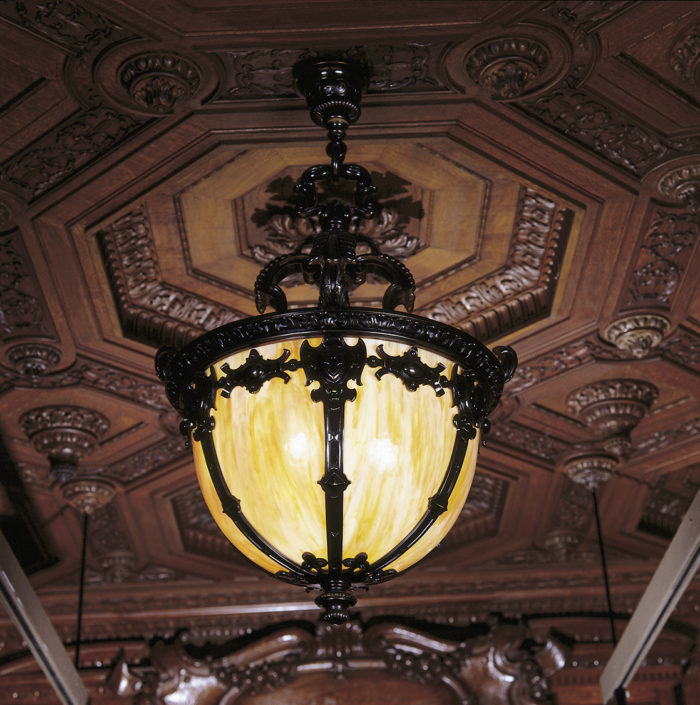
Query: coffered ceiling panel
(538,170)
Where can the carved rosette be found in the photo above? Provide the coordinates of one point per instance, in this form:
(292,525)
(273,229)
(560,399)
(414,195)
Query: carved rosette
(683,186)
(87,494)
(33,359)
(685,56)
(157,81)
(7,217)
(637,334)
(64,434)
(612,408)
(508,66)
(592,470)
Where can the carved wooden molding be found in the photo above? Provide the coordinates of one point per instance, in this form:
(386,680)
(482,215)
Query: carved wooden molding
(662,259)
(258,72)
(523,289)
(683,348)
(62,152)
(149,309)
(585,118)
(485,664)
(71,25)
(23,311)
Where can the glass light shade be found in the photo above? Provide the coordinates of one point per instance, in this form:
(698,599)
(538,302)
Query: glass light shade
(397,446)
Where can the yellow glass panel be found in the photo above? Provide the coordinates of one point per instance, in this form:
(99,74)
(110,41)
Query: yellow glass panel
(397,446)
(445,521)
(271,450)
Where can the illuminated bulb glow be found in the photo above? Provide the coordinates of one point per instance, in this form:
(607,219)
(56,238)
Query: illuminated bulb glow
(397,446)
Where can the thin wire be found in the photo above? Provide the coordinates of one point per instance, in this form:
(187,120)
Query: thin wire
(81,590)
(620,695)
(611,614)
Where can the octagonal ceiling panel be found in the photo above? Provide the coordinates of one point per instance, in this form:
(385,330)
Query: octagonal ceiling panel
(484,247)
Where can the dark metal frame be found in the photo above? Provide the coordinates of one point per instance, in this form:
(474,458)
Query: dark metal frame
(329,261)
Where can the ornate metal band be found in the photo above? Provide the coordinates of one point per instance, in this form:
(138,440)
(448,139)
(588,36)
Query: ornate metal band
(178,369)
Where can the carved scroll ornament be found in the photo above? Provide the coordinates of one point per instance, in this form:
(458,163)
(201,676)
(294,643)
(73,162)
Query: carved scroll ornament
(485,664)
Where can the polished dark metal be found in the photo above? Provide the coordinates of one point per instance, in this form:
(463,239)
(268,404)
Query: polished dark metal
(330,261)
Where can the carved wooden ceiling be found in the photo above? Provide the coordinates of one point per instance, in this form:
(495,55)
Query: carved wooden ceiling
(538,167)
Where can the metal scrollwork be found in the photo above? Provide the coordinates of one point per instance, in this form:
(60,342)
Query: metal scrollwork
(410,369)
(199,399)
(333,363)
(469,396)
(254,372)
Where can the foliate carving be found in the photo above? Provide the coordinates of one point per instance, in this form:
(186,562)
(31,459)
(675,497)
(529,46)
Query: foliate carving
(145,462)
(683,184)
(484,663)
(22,311)
(663,512)
(156,82)
(69,24)
(287,231)
(613,406)
(662,259)
(508,66)
(584,118)
(87,494)
(666,437)
(573,508)
(33,359)
(110,379)
(584,18)
(410,67)
(528,441)
(638,333)
(149,308)
(591,471)
(63,151)
(7,217)
(107,535)
(684,349)
(525,285)
(685,56)
(64,434)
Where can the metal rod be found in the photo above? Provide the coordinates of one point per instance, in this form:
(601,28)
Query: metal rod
(611,614)
(620,695)
(81,591)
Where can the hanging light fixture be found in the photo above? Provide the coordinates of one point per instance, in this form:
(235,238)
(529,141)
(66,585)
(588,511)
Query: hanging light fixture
(335,446)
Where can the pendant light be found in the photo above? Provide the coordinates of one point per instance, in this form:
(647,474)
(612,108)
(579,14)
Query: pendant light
(335,446)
